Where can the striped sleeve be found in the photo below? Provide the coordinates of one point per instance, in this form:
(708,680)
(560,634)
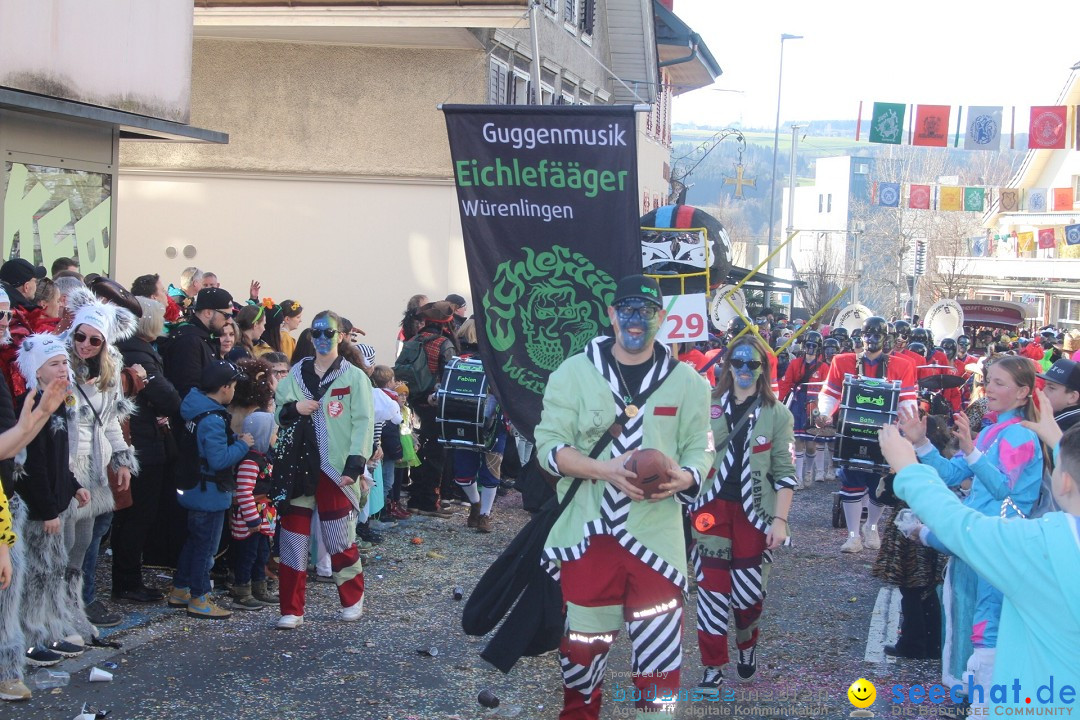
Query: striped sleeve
(246,516)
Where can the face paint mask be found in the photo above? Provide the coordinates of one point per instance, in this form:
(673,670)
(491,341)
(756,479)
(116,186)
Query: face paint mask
(647,329)
(324,345)
(744,376)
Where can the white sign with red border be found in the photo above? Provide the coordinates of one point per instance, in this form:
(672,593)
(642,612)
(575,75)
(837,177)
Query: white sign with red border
(687,319)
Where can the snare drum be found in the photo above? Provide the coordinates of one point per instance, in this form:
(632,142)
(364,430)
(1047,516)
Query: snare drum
(468,412)
(867,405)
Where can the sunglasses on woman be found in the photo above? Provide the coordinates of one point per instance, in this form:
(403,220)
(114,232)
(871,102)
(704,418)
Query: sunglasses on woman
(6,314)
(740,364)
(94,341)
(318,333)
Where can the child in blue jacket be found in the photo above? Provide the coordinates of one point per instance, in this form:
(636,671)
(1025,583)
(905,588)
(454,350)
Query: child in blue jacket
(219,452)
(1035,563)
(1005,465)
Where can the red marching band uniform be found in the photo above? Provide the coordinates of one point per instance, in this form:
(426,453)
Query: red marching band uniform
(896,368)
(803,384)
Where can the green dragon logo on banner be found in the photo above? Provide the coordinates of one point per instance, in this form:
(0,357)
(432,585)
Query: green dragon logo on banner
(555,301)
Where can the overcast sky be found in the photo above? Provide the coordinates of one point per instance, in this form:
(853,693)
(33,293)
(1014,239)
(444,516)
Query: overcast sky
(942,52)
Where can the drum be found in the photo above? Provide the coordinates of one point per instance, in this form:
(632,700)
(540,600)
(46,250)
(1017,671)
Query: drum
(866,406)
(468,412)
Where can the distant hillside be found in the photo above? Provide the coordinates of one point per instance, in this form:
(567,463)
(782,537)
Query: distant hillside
(818,139)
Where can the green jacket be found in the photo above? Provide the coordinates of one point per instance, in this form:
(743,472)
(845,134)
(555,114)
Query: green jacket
(348,411)
(579,407)
(771,467)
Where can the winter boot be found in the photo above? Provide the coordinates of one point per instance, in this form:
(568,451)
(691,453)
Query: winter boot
(242,599)
(261,592)
(474,515)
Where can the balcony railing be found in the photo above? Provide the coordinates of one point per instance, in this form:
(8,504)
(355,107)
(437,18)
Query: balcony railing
(1026,268)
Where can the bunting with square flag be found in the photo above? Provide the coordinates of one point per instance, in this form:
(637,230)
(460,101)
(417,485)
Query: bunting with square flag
(887,125)
(1009,199)
(1063,198)
(950,198)
(1047,239)
(1037,200)
(889,194)
(983,128)
(978,246)
(1047,128)
(919,197)
(931,125)
(1072,234)
(1025,241)
(974,199)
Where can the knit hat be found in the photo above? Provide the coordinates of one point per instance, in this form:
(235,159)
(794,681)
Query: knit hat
(35,351)
(368,352)
(261,426)
(113,322)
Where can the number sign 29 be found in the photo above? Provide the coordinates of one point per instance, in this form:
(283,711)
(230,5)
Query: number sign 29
(686,319)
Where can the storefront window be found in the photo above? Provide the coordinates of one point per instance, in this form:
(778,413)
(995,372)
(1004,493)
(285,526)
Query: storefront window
(54,212)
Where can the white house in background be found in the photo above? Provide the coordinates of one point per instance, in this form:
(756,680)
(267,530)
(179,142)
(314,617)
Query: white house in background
(335,188)
(1047,280)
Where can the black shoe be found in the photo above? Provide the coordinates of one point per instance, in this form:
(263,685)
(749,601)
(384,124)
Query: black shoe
(747,665)
(902,651)
(42,657)
(365,533)
(711,681)
(139,595)
(67,649)
(99,615)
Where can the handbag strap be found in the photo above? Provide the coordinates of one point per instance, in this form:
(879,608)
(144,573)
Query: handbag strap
(92,408)
(742,421)
(608,436)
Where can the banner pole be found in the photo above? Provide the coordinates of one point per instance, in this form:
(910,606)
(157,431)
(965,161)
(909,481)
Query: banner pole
(534,69)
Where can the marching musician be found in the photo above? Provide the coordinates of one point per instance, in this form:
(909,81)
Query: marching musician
(954,396)
(857,484)
(799,390)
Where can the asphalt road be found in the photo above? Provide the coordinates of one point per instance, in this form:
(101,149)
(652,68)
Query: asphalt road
(818,616)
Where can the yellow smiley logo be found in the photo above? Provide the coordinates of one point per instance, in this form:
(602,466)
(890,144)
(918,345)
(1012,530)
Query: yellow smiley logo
(862,693)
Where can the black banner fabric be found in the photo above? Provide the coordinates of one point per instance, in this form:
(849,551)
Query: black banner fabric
(549,215)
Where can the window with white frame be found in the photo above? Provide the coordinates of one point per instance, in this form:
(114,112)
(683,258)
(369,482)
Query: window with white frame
(519,88)
(588,12)
(551,6)
(570,12)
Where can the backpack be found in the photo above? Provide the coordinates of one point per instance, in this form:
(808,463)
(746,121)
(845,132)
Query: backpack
(411,365)
(263,483)
(187,444)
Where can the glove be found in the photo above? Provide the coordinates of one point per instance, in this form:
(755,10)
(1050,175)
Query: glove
(908,523)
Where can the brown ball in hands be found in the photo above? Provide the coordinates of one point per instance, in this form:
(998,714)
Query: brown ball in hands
(650,467)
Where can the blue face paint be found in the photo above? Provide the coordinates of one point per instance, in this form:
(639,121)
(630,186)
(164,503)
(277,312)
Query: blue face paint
(324,345)
(635,332)
(744,377)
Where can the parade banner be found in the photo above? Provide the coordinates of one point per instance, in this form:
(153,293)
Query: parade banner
(932,125)
(549,216)
(1037,200)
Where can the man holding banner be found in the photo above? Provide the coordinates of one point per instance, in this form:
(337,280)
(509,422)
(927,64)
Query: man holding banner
(619,558)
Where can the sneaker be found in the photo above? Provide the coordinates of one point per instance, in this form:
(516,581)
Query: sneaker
(289,622)
(871,539)
(248,602)
(398,512)
(138,595)
(365,533)
(353,612)
(179,597)
(99,615)
(67,649)
(747,665)
(329,579)
(201,607)
(483,524)
(42,657)
(853,544)
(14,690)
(711,681)
(439,513)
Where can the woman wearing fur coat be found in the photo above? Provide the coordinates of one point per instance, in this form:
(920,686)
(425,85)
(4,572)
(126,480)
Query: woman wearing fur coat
(97,366)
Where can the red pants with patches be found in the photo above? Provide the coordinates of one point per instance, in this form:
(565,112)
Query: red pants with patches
(726,583)
(612,587)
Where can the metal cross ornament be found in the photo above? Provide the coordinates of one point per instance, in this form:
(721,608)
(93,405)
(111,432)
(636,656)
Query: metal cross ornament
(738,181)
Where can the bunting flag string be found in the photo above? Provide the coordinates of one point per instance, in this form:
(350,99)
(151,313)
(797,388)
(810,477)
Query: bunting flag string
(928,126)
(971,198)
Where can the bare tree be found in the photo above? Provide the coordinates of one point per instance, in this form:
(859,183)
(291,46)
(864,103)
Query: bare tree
(823,275)
(948,262)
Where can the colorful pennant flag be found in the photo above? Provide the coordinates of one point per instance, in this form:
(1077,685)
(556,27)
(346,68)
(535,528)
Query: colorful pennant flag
(1037,200)
(919,197)
(932,125)
(1072,234)
(1047,239)
(1009,199)
(983,128)
(1025,241)
(1063,198)
(1047,128)
(951,198)
(978,246)
(889,194)
(974,199)
(887,125)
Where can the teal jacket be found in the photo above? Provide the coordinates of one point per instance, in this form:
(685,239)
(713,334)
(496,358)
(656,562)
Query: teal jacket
(1035,564)
(579,407)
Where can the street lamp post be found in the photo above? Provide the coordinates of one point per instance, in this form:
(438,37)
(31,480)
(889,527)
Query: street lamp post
(775,149)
